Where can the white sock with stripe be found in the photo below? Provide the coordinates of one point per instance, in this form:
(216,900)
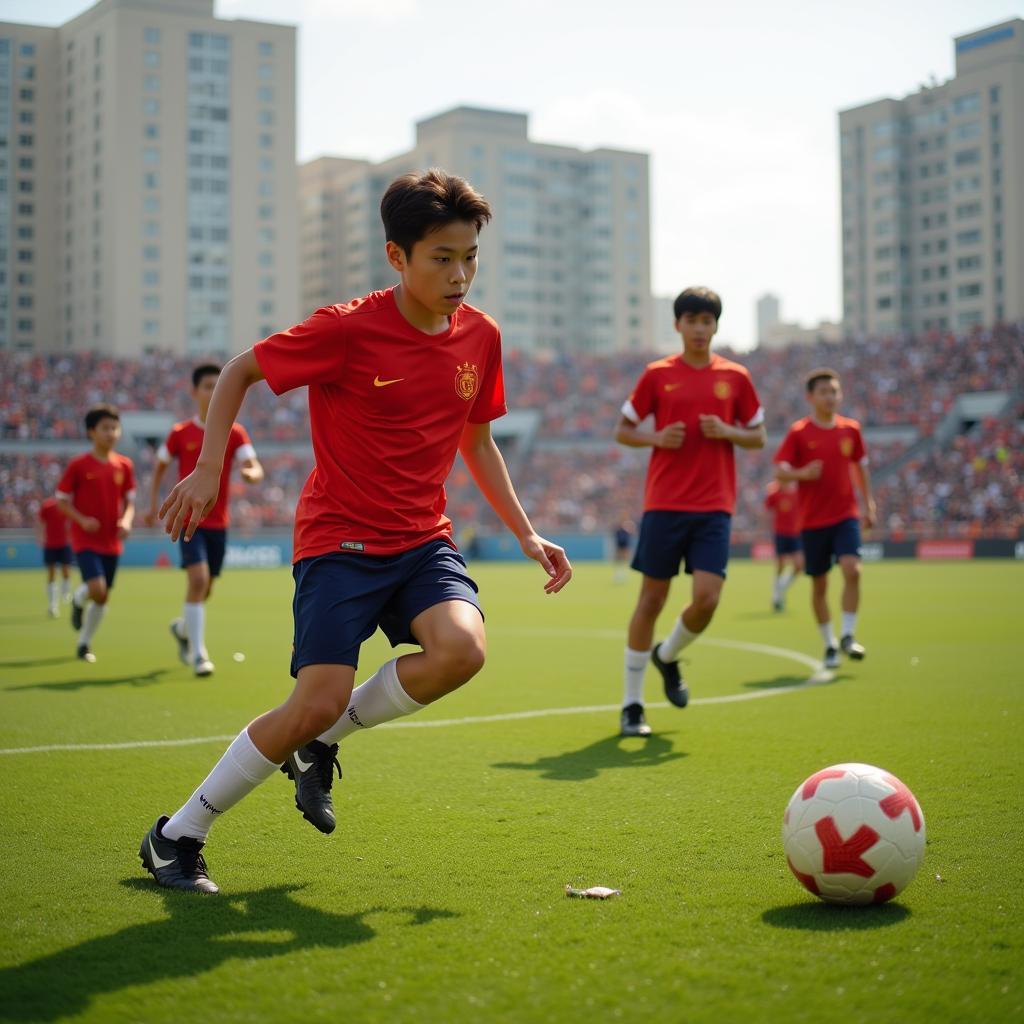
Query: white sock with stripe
(91,619)
(633,676)
(380,699)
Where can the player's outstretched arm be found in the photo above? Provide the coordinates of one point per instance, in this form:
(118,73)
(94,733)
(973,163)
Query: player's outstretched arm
(193,497)
(149,519)
(484,461)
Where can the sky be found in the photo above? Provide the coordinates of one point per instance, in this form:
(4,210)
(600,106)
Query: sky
(736,101)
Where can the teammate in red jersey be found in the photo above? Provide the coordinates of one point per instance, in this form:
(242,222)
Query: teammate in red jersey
(783,502)
(702,407)
(399,382)
(824,453)
(203,555)
(97,493)
(52,534)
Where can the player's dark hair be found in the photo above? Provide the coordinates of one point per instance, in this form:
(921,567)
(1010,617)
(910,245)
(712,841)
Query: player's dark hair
(697,300)
(820,373)
(97,413)
(416,204)
(206,370)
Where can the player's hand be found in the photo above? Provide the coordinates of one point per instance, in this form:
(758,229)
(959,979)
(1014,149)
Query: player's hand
(189,501)
(123,531)
(251,474)
(812,471)
(89,523)
(671,436)
(870,515)
(149,518)
(712,426)
(552,558)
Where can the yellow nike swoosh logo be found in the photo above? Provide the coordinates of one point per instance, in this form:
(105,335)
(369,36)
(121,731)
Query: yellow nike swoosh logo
(672,387)
(378,383)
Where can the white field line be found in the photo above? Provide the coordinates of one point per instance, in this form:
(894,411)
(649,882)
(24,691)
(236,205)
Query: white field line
(817,678)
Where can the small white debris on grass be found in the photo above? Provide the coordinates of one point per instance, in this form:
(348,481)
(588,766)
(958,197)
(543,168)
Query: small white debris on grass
(238,656)
(595,892)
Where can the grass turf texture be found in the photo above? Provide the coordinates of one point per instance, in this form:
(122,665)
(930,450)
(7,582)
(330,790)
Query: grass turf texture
(440,897)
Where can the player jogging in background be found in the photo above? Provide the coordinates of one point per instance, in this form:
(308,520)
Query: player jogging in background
(202,556)
(97,493)
(703,406)
(399,381)
(783,502)
(622,542)
(52,534)
(824,453)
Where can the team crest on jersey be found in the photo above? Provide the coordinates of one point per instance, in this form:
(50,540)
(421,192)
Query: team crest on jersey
(191,446)
(467,380)
(118,477)
(722,389)
(846,446)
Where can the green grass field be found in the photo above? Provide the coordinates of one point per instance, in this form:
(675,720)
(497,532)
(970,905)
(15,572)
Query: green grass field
(440,897)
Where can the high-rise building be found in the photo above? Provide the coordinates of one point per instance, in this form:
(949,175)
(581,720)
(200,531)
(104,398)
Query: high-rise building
(147,180)
(564,264)
(768,315)
(933,208)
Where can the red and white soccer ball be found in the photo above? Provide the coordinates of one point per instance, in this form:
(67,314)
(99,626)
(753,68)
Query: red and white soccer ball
(853,834)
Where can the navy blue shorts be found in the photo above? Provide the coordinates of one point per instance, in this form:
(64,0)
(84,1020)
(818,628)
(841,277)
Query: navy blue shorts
(825,546)
(58,556)
(341,599)
(787,543)
(700,539)
(92,564)
(206,546)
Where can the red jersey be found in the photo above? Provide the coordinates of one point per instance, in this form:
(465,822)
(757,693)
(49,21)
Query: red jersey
(830,499)
(387,407)
(700,476)
(100,489)
(784,501)
(55,524)
(184,443)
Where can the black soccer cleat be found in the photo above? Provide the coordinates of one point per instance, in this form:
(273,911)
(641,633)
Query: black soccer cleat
(676,690)
(182,642)
(311,768)
(84,654)
(175,863)
(633,722)
(851,648)
(76,615)
(831,659)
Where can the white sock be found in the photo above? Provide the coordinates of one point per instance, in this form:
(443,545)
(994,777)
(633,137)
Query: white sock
(849,623)
(235,775)
(786,580)
(825,628)
(679,638)
(380,699)
(195,626)
(65,588)
(81,593)
(51,596)
(777,588)
(633,677)
(91,619)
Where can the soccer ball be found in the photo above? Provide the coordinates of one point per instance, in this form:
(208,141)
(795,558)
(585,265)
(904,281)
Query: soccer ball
(853,834)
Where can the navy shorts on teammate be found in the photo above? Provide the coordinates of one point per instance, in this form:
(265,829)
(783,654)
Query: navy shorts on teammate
(92,564)
(58,555)
(787,544)
(341,599)
(825,546)
(205,546)
(700,540)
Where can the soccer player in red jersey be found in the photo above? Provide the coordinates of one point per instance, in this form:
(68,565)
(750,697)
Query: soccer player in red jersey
(399,382)
(824,453)
(783,502)
(703,406)
(202,556)
(52,533)
(97,493)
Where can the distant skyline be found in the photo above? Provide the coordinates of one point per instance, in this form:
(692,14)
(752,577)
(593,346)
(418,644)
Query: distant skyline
(736,103)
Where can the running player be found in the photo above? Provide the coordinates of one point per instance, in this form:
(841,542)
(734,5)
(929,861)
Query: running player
(52,533)
(703,406)
(203,555)
(824,453)
(783,502)
(97,493)
(399,382)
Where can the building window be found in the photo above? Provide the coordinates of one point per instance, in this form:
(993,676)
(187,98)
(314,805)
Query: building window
(266,71)
(151,108)
(27,50)
(969,104)
(266,49)
(151,83)
(27,72)
(151,36)
(151,252)
(265,94)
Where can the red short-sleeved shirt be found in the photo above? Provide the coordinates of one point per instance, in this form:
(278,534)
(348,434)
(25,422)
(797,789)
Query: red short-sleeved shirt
(184,443)
(387,407)
(830,499)
(55,524)
(99,489)
(701,475)
(784,502)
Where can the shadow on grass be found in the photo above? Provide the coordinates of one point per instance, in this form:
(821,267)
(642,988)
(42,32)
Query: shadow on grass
(143,679)
(610,752)
(828,917)
(37,662)
(198,936)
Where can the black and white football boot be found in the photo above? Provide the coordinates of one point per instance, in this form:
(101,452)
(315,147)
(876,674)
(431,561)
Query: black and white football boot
(176,863)
(311,768)
(676,690)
